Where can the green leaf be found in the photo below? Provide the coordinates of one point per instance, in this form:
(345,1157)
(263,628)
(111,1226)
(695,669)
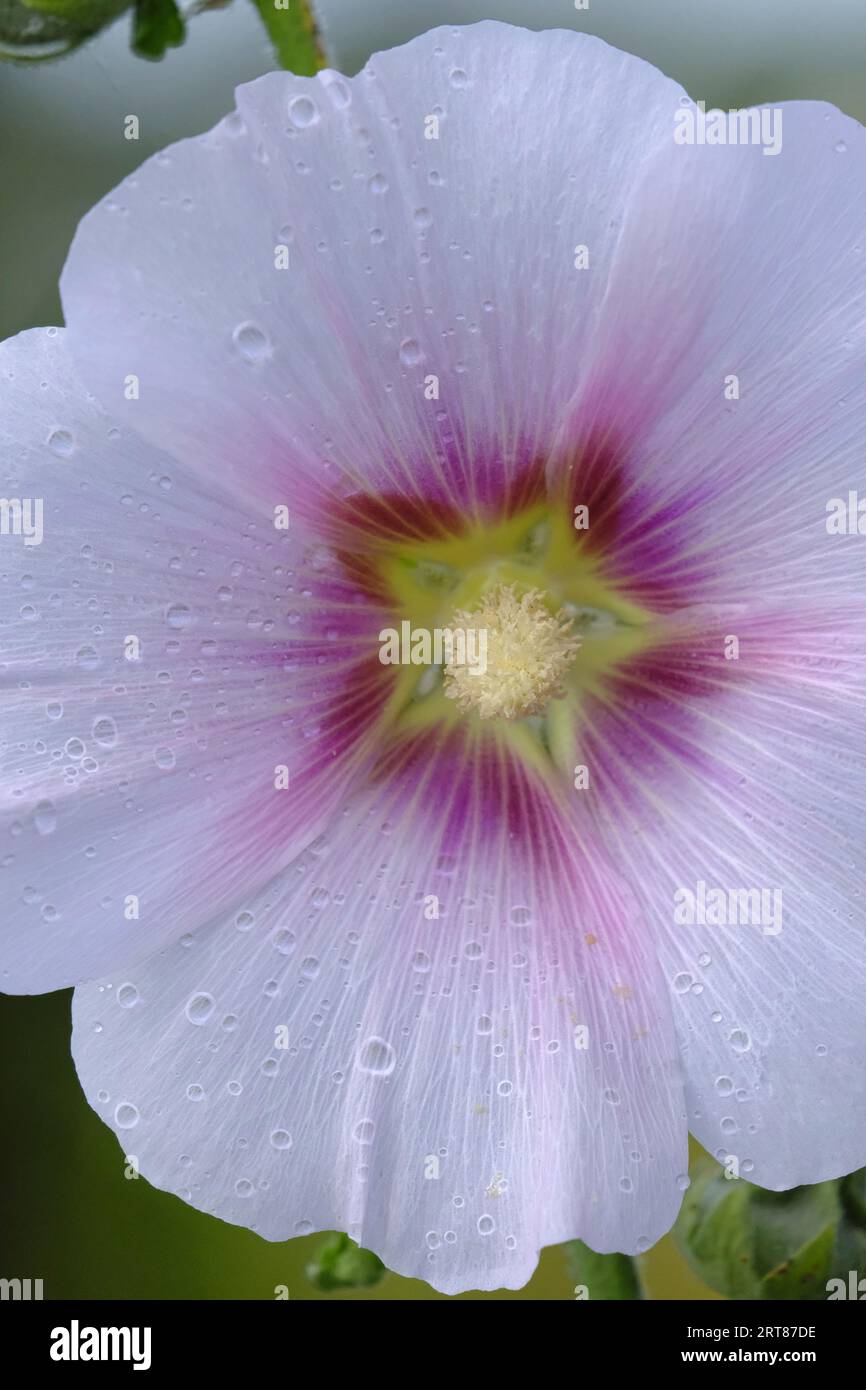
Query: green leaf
(341,1264)
(292,31)
(39,30)
(713,1232)
(157,25)
(602,1276)
(751,1244)
(88,15)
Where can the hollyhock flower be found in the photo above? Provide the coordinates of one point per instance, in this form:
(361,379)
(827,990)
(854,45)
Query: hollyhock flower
(398,950)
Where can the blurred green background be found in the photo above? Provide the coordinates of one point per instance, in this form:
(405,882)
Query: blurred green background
(68,1215)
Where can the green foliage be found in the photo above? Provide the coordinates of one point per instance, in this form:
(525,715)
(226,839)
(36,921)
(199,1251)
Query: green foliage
(341,1264)
(37,30)
(292,32)
(603,1276)
(157,25)
(752,1244)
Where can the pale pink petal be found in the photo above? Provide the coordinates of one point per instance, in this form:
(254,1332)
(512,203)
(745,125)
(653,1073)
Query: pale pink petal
(139,796)
(454,1090)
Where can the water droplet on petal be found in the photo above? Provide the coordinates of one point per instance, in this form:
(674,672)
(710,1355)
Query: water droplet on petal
(337,90)
(45,818)
(60,442)
(303,112)
(178,616)
(199,1008)
(377,1056)
(105,732)
(252,342)
(410,352)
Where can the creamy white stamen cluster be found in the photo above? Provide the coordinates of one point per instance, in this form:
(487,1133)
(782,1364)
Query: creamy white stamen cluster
(528,651)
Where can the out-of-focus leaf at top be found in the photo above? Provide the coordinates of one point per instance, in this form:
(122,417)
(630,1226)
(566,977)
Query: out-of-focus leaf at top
(292,31)
(42,29)
(158,25)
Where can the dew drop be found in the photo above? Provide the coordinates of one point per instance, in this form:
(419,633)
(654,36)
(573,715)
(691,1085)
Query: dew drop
(410,352)
(45,818)
(303,112)
(126,1115)
(199,1008)
(178,616)
(60,442)
(252,342)
(377,1056)
(87,658)
(281,1139)
(338,93)
(105,732)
